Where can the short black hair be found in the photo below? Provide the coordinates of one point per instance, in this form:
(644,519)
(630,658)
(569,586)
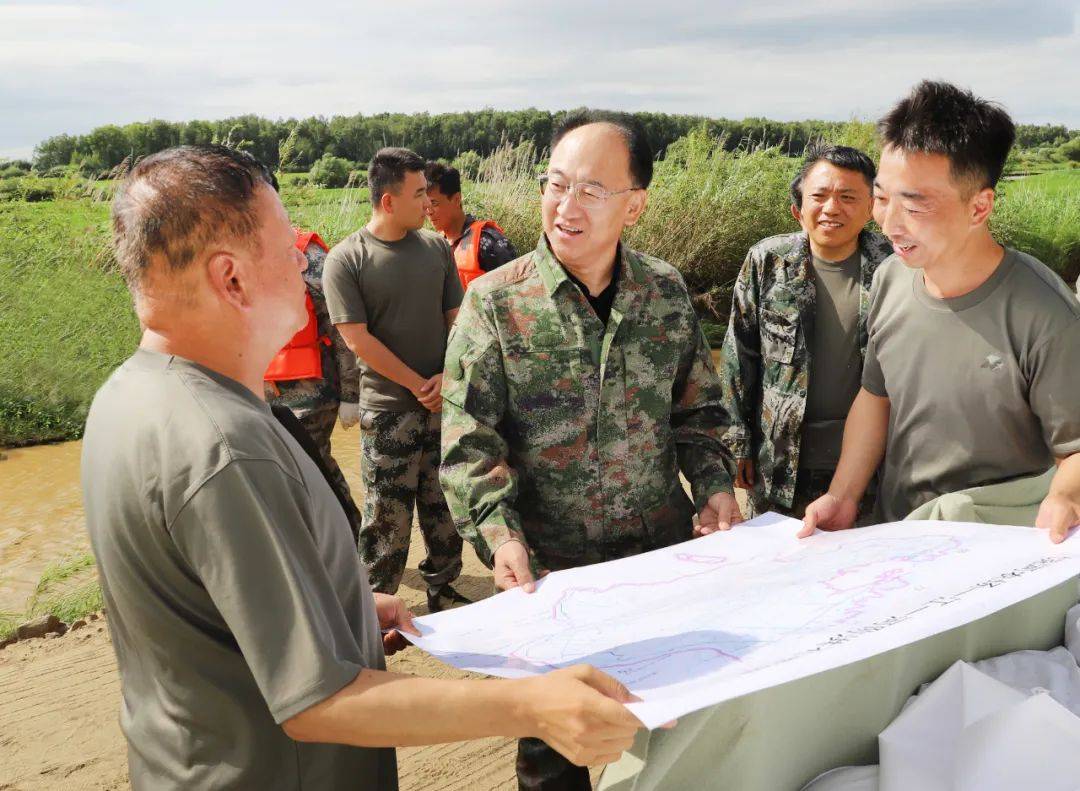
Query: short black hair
(445,177)
(841,156)
(175,202)
(388,168)
(940,118)
(637,142)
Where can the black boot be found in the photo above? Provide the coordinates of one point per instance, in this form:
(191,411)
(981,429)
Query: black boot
(444,597)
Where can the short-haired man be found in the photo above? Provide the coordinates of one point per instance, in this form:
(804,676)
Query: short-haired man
(578,385)
(971,366)
(461,230)
(393,292)
(241,617)
(795,342)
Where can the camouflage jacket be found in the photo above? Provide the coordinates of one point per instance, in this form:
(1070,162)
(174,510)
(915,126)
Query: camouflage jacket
(765,366)
(569,436)
(341,379)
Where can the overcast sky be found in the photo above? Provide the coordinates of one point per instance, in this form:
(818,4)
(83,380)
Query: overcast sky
(73,66)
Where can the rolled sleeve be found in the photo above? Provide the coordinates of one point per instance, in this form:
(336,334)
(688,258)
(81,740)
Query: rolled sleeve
(246,535)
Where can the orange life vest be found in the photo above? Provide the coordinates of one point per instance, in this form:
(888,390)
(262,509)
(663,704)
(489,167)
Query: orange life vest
(302,356)
(468,260)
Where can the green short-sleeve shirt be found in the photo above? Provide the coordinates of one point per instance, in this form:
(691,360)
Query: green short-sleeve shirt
(235,596)
(402,291)
(982,387)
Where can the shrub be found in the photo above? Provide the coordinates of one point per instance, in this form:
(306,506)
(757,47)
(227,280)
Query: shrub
(468,164)
(1071,150)
(330,171)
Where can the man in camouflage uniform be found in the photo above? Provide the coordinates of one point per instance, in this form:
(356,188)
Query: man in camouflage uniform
(577,385)
(793,353)
(393,291)
(448,217)
(318,403)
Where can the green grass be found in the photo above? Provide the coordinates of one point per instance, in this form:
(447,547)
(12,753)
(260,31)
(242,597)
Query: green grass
(65,318)
(1055,182)
(68,589)
(1041,216)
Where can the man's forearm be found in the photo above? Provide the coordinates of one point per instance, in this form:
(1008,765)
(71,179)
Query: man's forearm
(865,432)
(379,358)
(383,709)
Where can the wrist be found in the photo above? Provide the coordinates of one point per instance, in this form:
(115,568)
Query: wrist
(845,492)
(521,707)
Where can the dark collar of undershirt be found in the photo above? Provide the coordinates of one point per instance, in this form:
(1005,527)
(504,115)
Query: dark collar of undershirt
(469,220)
(601,303)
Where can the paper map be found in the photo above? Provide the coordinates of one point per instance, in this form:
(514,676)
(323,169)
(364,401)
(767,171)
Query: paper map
(721,616)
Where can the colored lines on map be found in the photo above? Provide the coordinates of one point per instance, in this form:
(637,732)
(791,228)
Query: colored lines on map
(710,562)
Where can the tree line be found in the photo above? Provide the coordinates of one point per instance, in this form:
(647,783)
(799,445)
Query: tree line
(358,137)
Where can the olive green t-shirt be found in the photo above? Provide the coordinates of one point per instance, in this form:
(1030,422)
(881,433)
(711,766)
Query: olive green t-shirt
(235,595)
(402,291)
(835,363)
(982,388)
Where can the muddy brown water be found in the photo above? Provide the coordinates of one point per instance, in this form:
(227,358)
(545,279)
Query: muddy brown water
(41,513)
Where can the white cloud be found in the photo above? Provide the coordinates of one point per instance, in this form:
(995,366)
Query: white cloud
(72,67)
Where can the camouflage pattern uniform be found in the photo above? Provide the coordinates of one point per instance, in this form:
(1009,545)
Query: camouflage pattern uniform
(765,366)
(399,463)
(495,249)
(315,401)
(568,436)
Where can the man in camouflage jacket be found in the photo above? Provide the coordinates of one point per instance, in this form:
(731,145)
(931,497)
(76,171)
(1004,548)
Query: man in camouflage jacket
(577,385)
(319,403)
(767,364)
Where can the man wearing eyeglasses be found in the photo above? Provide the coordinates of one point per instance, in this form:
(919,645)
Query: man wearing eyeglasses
(577,386)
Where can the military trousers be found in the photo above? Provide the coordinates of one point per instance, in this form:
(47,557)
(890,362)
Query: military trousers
(319,424)
(399,466)
(542,768)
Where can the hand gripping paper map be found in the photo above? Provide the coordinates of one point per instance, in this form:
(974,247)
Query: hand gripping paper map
(731,613)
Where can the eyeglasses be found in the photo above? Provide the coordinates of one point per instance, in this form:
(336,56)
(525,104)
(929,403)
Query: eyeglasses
(588,196)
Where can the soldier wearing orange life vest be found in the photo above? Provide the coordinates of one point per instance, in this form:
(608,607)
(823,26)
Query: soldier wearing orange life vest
(462,230)
(315,374)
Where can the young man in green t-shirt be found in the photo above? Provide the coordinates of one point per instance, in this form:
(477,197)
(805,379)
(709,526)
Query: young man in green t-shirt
(393,291)
(971,366)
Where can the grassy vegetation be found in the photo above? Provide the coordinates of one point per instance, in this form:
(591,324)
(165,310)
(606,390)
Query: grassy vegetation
(68,589)
(66,318)
(1041,216)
